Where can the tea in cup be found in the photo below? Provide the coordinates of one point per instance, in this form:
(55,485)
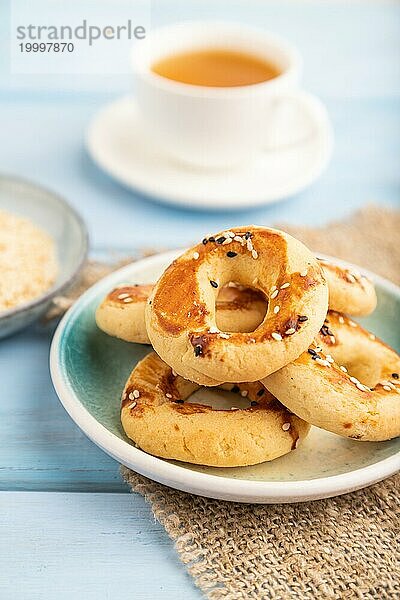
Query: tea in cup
(216,94)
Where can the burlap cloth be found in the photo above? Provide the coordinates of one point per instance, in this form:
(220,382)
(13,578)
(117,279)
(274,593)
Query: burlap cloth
(343,547)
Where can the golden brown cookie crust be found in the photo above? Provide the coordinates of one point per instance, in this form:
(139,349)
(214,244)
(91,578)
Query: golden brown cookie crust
(180,315)
(348,382)
(122,312)
(156,417)
(349,291)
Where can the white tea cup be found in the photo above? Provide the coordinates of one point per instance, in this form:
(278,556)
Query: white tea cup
(223,126)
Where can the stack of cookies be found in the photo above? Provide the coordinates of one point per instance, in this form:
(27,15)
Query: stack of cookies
(252,311)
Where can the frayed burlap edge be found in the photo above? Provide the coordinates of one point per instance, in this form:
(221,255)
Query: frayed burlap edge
(369,238)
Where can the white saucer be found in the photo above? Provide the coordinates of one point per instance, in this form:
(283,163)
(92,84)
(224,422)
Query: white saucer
(118,144)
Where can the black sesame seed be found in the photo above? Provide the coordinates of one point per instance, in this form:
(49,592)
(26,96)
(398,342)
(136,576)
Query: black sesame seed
(325,330)
(235,389)
(261,392)
(179,401)
(149,301)
(213,283)
(312,352)
(254,403)
(302,318)
(198,350)
(205,241)
(220,240)
(395,375)
(211,239)
(247,235)
(231,254)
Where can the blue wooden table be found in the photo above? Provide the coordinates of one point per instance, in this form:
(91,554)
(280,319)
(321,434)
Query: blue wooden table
(68,527)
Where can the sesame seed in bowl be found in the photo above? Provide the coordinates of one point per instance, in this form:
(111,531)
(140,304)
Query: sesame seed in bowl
(28,261)
(43,245)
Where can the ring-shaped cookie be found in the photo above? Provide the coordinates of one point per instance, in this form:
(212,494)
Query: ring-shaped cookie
(121,313)
(348,382)
(156,417)
(180,314)
(350,292)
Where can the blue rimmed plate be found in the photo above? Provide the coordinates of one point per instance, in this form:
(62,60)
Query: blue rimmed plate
(89,370)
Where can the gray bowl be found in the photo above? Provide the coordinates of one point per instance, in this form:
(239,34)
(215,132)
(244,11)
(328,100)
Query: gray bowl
(50,212)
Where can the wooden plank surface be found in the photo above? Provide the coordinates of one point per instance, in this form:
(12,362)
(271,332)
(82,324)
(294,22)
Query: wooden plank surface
(106,545)
(40,447)
(86,546)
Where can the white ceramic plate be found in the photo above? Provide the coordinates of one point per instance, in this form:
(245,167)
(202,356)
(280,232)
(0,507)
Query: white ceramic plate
(89,370)
(119,145)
